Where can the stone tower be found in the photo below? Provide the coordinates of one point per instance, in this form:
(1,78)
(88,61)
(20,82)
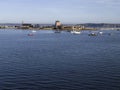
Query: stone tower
(57,24)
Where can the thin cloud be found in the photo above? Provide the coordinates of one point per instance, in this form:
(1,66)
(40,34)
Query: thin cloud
(108,2)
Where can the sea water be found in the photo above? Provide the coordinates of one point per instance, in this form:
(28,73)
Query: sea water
(59,61)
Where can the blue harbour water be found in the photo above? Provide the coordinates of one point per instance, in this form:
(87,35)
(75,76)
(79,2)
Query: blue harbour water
(52,61)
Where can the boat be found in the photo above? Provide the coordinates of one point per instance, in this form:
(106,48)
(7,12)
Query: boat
(30,34)
(92,34)
(33,31)
(100,33)
(75,32)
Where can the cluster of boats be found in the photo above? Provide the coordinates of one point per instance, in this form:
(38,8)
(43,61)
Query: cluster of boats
(91,33)
(72,32)
(78,32)
(95,34)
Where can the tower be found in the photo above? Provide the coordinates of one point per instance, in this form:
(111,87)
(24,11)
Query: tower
(57,24)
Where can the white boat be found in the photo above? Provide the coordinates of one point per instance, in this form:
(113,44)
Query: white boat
(100,33)
(75,32)
(33,31)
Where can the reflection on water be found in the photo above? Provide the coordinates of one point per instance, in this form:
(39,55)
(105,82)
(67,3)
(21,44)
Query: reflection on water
(49,61)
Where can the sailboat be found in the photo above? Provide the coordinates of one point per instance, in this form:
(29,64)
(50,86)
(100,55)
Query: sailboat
(75,32)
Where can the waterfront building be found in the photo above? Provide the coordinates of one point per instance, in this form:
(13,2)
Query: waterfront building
(27,26)
(71,27)
(36,26)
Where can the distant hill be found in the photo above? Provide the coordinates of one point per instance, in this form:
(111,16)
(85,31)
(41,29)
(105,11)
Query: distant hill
(10,24)
(101,25)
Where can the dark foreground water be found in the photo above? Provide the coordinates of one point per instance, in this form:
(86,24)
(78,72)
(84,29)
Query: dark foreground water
(51,61)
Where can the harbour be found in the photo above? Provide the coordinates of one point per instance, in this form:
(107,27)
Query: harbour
(51,61)
(59,45)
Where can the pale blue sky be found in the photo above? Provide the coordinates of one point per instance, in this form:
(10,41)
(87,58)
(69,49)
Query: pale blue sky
(67,11)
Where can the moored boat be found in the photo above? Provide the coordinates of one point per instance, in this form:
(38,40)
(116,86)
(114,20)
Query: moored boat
(92,34)
(33,31)
(30,34)
(75,32)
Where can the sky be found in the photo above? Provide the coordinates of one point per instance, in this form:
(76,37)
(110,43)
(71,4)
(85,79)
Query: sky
(66,11)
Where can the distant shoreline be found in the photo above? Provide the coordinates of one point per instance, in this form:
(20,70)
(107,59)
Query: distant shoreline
(62,27)
(60,30)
